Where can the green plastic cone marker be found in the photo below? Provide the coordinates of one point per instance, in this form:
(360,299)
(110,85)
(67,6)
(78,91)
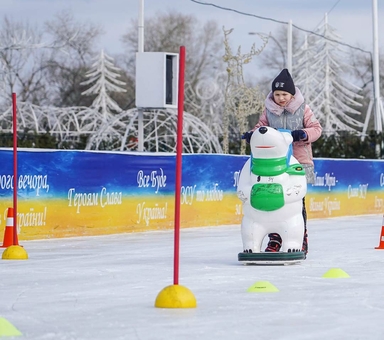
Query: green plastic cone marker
(7,329)
(262,287)
(335,273)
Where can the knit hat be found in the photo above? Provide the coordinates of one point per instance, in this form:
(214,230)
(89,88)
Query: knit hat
(284,82)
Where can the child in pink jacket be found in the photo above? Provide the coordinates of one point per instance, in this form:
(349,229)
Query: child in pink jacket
(285,108)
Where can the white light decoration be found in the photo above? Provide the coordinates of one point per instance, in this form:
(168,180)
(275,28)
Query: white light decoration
(114,132)
(241,101)
(103,77)
(318,73)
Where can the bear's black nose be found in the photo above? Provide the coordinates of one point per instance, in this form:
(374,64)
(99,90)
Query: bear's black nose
(263,130)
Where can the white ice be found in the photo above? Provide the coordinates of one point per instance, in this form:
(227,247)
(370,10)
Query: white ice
(105,287)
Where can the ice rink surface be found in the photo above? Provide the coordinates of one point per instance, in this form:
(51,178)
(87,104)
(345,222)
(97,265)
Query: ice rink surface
(105,287)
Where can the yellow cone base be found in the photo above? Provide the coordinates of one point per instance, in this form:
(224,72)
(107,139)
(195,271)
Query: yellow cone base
(15,253)
(175,296)
(262,287)
(336,273)
(7,329)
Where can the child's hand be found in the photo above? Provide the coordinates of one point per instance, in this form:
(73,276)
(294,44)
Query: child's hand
(247,136)
(298,135)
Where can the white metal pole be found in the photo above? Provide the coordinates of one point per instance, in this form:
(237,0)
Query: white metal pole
(289,47)
(141,26)
(376,77)
(140,118)
(367,118)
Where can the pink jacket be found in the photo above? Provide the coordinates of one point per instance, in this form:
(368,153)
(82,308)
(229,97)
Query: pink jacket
(296,115)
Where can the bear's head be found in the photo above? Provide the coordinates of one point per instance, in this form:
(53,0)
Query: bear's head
(267,142)
(271,151)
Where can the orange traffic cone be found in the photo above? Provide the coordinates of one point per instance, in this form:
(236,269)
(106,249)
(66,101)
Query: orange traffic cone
(381,244)
(8,233)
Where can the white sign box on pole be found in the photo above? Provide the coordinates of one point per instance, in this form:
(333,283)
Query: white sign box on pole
(156,79)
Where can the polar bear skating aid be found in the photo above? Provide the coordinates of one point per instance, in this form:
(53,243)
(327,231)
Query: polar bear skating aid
(271,186)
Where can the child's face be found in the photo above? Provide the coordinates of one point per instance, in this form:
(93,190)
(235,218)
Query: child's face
(281,97)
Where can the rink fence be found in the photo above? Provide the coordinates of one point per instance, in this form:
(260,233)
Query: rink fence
(76,193)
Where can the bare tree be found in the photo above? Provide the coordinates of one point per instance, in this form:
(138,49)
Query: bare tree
(66,71)
(20,62)
(274,55)
(45,65)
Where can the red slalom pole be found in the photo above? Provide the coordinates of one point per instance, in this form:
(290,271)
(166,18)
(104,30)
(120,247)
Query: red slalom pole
(179,150)
(14,169)
(177,296)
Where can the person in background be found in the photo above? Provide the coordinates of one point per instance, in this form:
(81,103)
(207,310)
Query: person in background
(285,108)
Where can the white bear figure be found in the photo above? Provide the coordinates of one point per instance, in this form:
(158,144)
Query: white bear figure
(272,185)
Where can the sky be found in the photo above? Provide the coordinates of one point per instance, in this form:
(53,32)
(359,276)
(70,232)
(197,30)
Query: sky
(351,18)
(105,287)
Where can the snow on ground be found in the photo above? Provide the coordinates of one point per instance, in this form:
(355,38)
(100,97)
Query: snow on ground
(105,287)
